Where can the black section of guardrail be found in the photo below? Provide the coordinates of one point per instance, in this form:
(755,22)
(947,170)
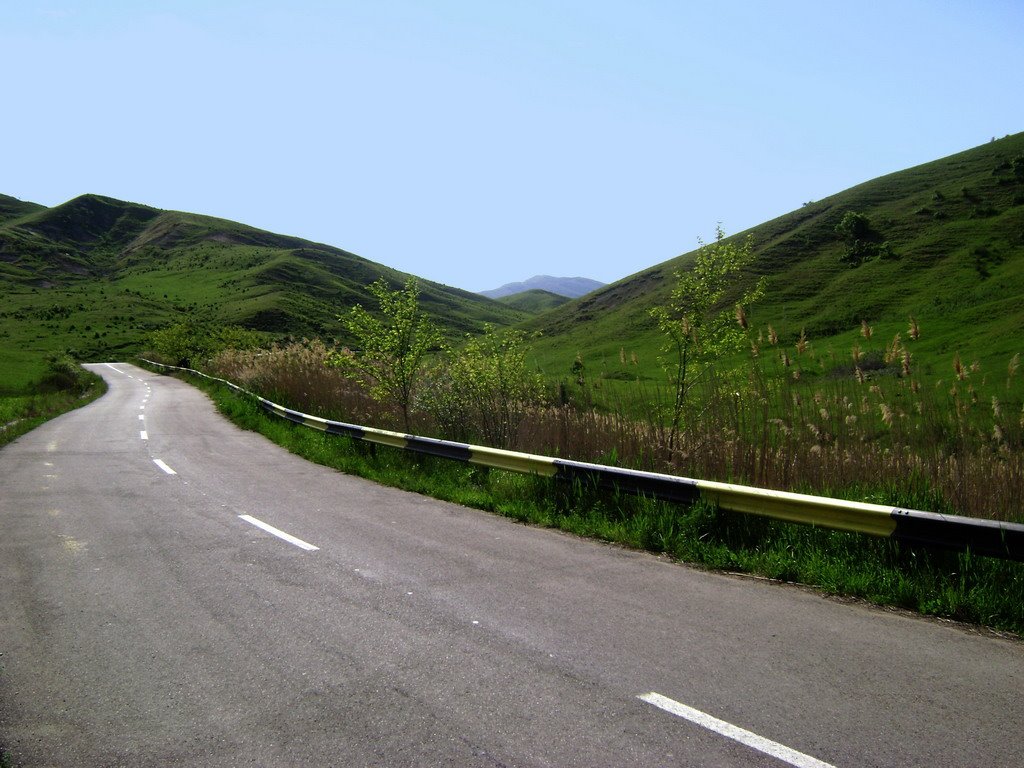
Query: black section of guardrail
(909,526)
(982,537)
(442,448)
(348,430)
(616,479)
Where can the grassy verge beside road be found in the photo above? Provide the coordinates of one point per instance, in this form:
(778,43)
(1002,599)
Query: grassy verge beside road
(958,586)
(65,387)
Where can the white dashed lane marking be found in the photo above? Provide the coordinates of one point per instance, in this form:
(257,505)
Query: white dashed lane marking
(734,732)
(280,534)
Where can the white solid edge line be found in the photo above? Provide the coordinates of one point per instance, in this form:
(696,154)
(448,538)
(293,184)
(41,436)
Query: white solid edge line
(704,720)
(279,533)
(164,467)
(143,435)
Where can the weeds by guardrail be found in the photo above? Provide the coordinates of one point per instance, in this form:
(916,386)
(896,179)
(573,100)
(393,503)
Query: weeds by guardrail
(921,528)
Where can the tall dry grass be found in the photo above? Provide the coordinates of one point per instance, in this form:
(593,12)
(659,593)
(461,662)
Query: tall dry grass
(860,424)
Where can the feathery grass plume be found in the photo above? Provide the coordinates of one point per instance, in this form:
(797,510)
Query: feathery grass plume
(785,359)
(886,414)
(741,317)
(915,386)
(801,343)
(861,378)
(958,368)
(1011,368)
(857,353)
(914,332)
(905,367)
(622,355)
(996,410)
(773,337)
(865,329)
(894,350)
(634,359)
(755,350)
(975,366)
(998,437)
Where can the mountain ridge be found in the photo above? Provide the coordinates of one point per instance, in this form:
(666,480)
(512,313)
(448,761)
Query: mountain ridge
(570,287)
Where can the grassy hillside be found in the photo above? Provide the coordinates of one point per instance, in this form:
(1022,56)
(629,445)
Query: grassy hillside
(13,208)
(954,259)
(96,275)
(534,301)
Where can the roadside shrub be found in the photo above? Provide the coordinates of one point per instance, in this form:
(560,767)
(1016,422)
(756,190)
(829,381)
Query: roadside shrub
(484,389)
(63,374)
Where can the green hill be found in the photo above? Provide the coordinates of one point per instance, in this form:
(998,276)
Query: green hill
(943,242)
(534,301)
(946,245)
(97,274)
(13,208)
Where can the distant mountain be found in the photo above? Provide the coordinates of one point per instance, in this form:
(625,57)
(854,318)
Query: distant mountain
(570,287)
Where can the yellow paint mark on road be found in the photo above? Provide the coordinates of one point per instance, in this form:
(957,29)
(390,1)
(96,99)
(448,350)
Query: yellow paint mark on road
(73,546)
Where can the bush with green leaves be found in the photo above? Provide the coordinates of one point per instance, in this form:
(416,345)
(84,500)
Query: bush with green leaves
(63,374)
(862,240)
(484,389)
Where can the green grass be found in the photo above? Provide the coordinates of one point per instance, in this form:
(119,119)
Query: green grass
(971,589)
(21,414)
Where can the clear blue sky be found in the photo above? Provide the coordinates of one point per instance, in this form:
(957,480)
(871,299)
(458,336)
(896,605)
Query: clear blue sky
(477,143)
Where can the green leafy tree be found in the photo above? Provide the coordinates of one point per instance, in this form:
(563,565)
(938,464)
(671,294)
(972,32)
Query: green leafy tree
(698,323)
(182,343)
(485,388)
(189,343)
(389,359)
(862,240)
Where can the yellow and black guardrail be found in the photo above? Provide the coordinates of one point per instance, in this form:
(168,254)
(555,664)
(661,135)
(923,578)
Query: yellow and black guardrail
(911,526)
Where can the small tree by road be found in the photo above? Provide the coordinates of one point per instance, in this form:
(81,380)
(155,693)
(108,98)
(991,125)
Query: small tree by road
(391,348)
(697,323)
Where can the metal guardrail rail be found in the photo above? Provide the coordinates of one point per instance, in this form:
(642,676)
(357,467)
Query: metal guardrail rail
(911,526)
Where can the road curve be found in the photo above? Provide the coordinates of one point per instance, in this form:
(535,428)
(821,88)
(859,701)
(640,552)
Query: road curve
(174,591)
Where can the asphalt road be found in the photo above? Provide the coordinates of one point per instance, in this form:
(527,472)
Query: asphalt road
(145,622)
